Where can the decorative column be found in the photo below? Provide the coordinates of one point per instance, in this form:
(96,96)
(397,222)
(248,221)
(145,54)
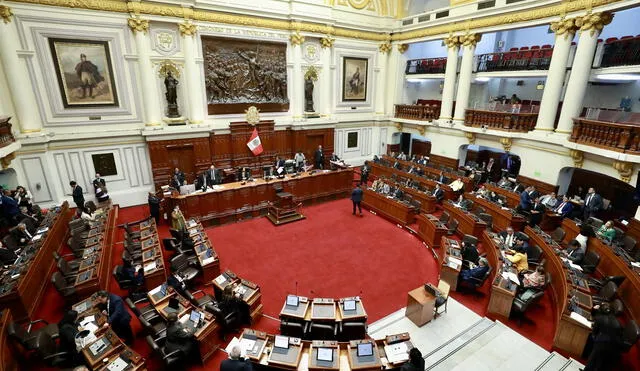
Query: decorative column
(15,70)
(297,96)
(194,89)
(326,82)
(395,86)
(590,27)
(152,108)
(565,29)
(468,43)
(383,54)
(450,72)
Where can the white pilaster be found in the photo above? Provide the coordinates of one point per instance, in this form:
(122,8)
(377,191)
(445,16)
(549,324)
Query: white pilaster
(590,27)
(381,79)
(468,42)
(192,73)
(326,78)
(395,76)
(150,99)
(297,96)
(450,72)
(555,78)
(15,69)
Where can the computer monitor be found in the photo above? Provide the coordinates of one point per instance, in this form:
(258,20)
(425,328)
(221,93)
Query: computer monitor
(349,305)
(163,290)
(365,349)
(292,300)
(209,253)
(325,354)
(281,342)
(194,316)
(174,303)
(187,189)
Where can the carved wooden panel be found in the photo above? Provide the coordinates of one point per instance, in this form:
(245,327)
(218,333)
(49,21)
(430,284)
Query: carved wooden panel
(445,161)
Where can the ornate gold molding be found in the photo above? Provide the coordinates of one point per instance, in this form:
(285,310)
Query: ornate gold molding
(385,47)
(398,126)
(566,27)
(594,22)
(470,39)
(506,143)
(311,73)
(296,39)
(327,42)
(5,13)
(625,169)
(187,28)
(452,41)
(168,66)
(577,156)
(6,160)
(402,48)
(138,25)
(471,137)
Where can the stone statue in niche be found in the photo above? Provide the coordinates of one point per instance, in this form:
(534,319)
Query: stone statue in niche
(243,71)
(308,94)
(171,84)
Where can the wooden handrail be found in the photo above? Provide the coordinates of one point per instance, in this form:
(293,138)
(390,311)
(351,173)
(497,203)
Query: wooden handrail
(507,121)
(614,136)
(417,112)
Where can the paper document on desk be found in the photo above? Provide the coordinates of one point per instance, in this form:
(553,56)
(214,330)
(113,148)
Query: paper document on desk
(87,320)
(150,266)
(208,260)
(36,237)
(454,263)
(90,326)
(217,187)
(397,352)
(635,264)
(220,279)
(117,365)
(235,341)
(511,276)
(581,319)
(247,345)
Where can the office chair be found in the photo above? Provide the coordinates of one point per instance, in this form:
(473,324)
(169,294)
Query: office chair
(323,331)
(10,242)
(558,235)
(597,284)
(48,351)
(628,243)
(523,301)
(617,307)
(630,335)
(534,254)
(148,312)
(170,244)
(590,262)
(229,322)
(474,283)
(68,273)
(74,264)
(155,329)
(199,298)
(605,294)
(594,222)
(452,225)
(180,265)
(173,359)
(442,299)
(487,218)
(67,291)
(352,331)
(123,282)
(294,329)
(479,210)
(444,217)
(27,337)
(470,239)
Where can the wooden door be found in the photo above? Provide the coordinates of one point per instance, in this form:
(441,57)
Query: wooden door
(183,158)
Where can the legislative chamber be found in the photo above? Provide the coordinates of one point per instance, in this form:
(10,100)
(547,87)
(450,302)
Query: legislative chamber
(319,185)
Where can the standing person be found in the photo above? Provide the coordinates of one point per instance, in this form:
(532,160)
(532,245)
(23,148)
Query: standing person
(100,187)
(77,194)
(211,177)
(235,362)
(23,198)
(318,157)
(7,256)
(154,206)
(416,362)
(364,173)
(117,315)
(537,211)
(299,160)
(356,198)
(592,204)
(177,219)
(10,208)
(606,336)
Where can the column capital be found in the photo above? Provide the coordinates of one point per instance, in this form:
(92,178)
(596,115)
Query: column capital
(625,169)
(594,22)
(5,13)
(565,26)
(137,24)
(187,28)
(385,47)
(506,143)
(327,42)
(296,39)
(471,136)
(578,157)
(402,48)
(452,41)
(469,39)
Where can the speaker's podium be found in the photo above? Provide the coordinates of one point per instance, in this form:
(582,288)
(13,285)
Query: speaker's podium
(284,211)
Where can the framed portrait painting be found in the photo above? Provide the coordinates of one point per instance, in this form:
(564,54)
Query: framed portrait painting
(84,72)
(354,79)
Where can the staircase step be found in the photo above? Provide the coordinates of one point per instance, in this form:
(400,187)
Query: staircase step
(440,354)
(572,365)
(554,362)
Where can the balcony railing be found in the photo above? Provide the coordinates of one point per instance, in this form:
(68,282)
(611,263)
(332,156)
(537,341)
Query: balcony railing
(623,52)
(6,136)
(505,117)
(417,112)
(615,131)
(424,66)
(535,58)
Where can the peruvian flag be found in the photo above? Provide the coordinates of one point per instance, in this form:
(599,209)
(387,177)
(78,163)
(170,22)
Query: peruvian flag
(254,144)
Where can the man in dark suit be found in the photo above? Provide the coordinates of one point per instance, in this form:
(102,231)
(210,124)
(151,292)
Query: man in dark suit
(154,206)
(606,336)
(117,315)
(279,162)
(77,195)
(177,180)
(564,208)
(318,157)
(508,237)
(364,173)
(6,256)
(235,362)
(574,252)
(211,177)
(442,178)
(469,253)
(21,234)
(179,337)
(518,188)
(525,201)
(356,198)
(438,193)
(537,211)
(592,204)
(477,273)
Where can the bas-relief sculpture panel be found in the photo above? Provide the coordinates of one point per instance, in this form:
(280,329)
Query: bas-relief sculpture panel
(242,73)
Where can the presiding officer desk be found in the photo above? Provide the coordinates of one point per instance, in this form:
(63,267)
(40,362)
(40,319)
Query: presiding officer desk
(239,200)
(22,285)
(303,354)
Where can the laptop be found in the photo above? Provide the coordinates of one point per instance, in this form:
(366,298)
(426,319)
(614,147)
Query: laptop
(281,344)
(324,357)
(293,301)
(364,352)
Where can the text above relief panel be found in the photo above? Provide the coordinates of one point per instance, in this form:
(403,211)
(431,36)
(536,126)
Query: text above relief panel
(243,73)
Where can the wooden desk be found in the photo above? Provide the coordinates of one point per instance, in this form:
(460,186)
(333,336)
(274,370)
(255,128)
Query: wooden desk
(571,230)
(427,202)
(363,363)
(420,306)
(359,314)
(430,230)
(237,201)
(513,198)
(103,347)
(323,310)
(468,182)
(260,339)
(289,358)
(503,291)
(550,221)
(314,364)
(203,248)
(299,312)
(450,269)
(247,291)
(379,170)
(501,218)
(127,355)
(388,207)
(8,351)
(467,222)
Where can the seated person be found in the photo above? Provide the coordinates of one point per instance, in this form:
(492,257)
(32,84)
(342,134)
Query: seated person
(334,157)
(564,208)
(457,185)
(477,273)
(462,203)
(550,201)
(534,279)
(235,361)
(134,274)
(87,214)
(22,235)
(469,255)
(505,183)
(179,337)
(68,328)
(606,231)
(482,192)
(398,193)
(508,237)
(441,178)
(7,256)
(396,165)
(178,179)
(574,252)
(416,362)
(519,258)
(438,193)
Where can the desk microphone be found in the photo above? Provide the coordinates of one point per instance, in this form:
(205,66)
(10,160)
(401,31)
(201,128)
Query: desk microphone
(296,288)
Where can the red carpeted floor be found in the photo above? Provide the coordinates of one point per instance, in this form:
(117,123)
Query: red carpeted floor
(330,254)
